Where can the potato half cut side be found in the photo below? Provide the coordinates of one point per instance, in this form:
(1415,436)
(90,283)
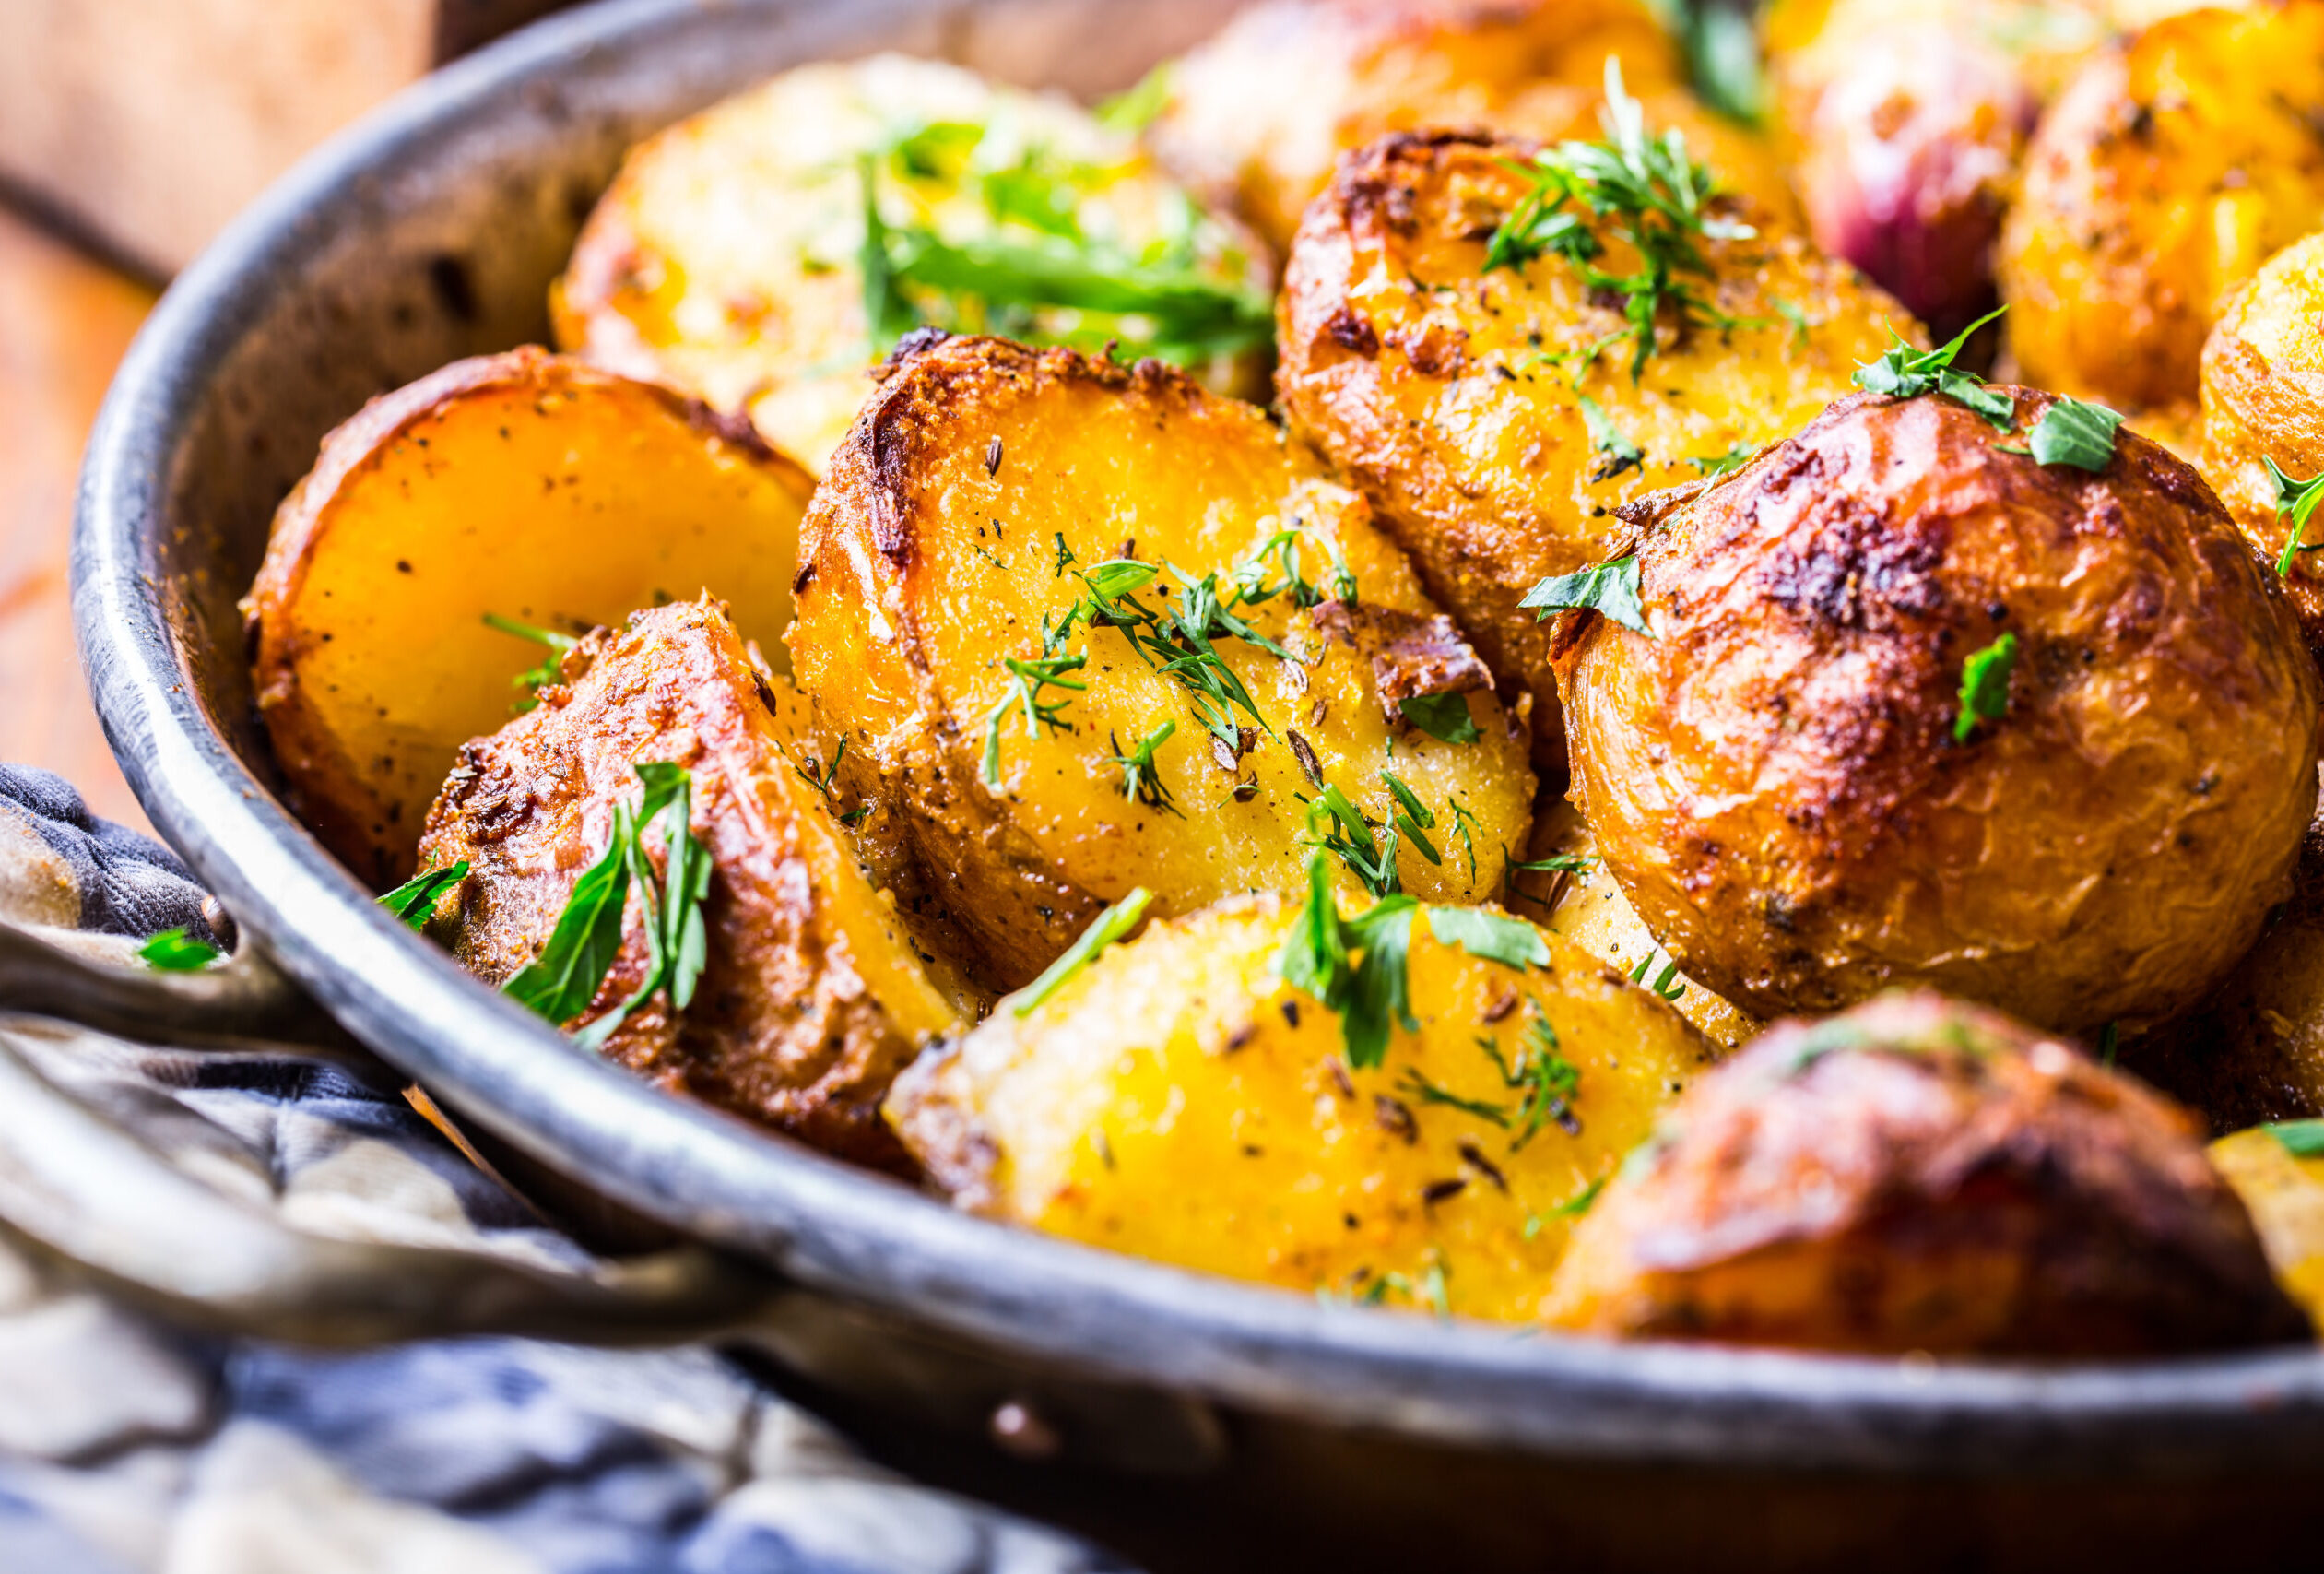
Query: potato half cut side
(1500,419)
(1922,1175)
(523,485)
(730,257)
(1049,760)
(814,992)
(1178,1100)
(2284,1190)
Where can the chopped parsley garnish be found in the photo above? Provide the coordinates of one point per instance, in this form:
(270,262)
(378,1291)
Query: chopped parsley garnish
(828,781)
(1065,558)
(1721,42)
(534,680)
(1272,570)
(1103,931)
(888,316)
(1735,458)
(1140,782)
(1558,863)
(1412,817)
(564,981)
(1464,826)
(174,951)
(1443,716)
(2298,499)
(1543,1079)
(416,898)
(1355,967)
(1985,686)
(1574,1207)
(1609,589)
(1663,983)
(2301,1139)
(2073,431)
(1906,374)
(1340,828)
(1135,109)
(1657,196)
(1420,1090)
(1027,678)
(1616,452)
(1513,942)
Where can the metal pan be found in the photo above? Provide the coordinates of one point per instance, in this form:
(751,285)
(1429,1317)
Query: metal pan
(432,231)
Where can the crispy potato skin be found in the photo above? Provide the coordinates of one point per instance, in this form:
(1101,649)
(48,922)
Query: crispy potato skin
(814,994)
(2164,175)
(523,484)
(931,557)
(2285,1198)
(725,257)
(2263,399)
(1424,379)
(1586,905)
(1774,780)
(1364,67)
(1919,1175)
(1178,1100)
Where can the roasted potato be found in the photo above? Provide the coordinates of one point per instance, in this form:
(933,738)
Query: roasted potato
(957,534)
(2163,177)
(1256,116)
(1463,401)
(1179,1100)
(2263,399)
(814,993)
(1804,808)
(1920,1175)
(523,485)
(2284,1193)
(727,258)
(1575,897)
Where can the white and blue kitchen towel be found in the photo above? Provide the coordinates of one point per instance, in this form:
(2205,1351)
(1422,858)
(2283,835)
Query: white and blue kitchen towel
(130,1445)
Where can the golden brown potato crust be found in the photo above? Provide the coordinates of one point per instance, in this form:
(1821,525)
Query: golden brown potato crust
(813,996)
(1451,396)
(522,484)
(1919,1175)
(1774,777)
(2263,399)
(948,537)
(2165,175)
(1257,114)
(1178,1100)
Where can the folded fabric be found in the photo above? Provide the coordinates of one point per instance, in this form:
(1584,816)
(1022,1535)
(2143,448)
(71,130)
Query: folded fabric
(129,1444)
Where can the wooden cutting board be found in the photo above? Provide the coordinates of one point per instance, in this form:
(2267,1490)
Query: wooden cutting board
(147,123)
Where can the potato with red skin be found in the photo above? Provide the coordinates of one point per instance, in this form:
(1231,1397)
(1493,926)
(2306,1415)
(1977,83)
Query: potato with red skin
(1919,1175)
(1777,777)
(1257,114)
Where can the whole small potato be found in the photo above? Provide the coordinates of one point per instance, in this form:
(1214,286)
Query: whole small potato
(2263,399)
(1179,1100)
(1787,781)
(1049,746)
(1256,116)
(1919,1175)
(2167,171)
(1497,418)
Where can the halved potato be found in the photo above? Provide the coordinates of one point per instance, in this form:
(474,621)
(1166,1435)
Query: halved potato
(1178,1100)
(814,992)
(1461,400)
(1256,116)
(525,485)
(1920,1175)
(2165,175)
(728,256)
(951,539)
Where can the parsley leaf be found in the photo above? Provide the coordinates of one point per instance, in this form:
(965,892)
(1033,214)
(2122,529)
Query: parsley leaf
(174,951)
(2073,431)
(1028,677)
(826,782)
(1619,454)
(2301,1139)
(1609,589)
(1544,1079)
(1985,686)
(1735,458)
(1340,828)
(1574,1207)
(1663,983)
(1357,968)
(1421,1090)
(1138,107)
(2298,499)
(1140,784)
(416,898)
(1443,716)
(1904,373)
(888,316)
(533,679)
(1412,817)
(1513,942)
(1103,931)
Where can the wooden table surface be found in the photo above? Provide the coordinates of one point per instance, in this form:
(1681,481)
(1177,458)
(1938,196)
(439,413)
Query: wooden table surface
(64,321)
